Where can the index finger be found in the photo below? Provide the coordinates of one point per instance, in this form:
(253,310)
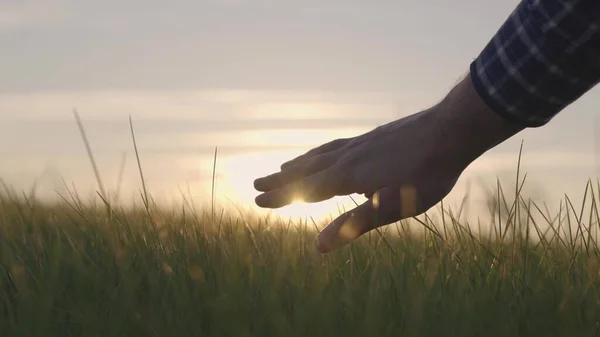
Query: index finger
(327,147)
(317,187)
(295,172)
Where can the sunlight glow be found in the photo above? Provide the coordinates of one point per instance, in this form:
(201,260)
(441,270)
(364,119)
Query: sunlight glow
(239,172)
(350,229)
(376,200)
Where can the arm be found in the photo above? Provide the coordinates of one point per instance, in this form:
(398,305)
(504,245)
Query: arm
(541,59)
(468,126)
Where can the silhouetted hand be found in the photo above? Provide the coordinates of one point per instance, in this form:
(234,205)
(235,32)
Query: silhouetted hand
(400,168)
(403,168)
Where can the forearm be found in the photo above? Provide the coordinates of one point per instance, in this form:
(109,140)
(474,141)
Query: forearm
(467,126)
(544,57)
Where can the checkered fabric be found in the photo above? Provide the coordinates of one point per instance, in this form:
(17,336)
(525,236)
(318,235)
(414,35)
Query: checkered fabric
(544,57)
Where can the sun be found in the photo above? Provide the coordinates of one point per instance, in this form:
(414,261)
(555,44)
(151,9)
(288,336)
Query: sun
(268,149)
(238,173)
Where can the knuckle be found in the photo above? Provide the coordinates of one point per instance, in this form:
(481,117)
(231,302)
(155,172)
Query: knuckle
(340,141)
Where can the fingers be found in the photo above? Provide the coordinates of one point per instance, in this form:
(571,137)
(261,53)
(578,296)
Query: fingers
(307,177)
(317,187)
(327,147)
(296,172)
(386,206)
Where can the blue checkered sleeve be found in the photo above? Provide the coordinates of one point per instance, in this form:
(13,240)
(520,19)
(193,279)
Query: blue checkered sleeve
(544,57)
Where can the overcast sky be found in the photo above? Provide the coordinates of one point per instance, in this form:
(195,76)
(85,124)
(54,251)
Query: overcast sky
(121,56)
(183,44)
(245,59)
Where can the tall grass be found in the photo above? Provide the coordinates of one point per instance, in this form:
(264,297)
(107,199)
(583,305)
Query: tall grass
(85,269)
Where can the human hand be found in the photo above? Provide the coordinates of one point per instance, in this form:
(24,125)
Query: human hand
(403,168)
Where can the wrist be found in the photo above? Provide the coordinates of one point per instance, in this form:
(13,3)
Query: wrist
(468,125)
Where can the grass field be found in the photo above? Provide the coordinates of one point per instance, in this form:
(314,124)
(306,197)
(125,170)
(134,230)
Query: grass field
(75,269)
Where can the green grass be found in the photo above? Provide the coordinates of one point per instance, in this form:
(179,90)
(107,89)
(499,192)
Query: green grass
(98,269)
(75,269)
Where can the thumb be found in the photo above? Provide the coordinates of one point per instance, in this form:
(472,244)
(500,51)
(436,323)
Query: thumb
(385,206)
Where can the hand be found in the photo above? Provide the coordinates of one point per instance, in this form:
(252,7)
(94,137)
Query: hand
(403,168)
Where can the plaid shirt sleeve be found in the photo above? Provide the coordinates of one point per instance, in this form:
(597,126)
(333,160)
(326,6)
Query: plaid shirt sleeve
(544,57)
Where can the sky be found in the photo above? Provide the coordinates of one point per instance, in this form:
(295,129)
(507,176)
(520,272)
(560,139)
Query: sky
(234,44)
(251,76)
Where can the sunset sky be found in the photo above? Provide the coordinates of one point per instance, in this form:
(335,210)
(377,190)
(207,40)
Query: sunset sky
(276,44)
(197,74)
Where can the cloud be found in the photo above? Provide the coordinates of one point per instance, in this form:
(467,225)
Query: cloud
(15,16)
